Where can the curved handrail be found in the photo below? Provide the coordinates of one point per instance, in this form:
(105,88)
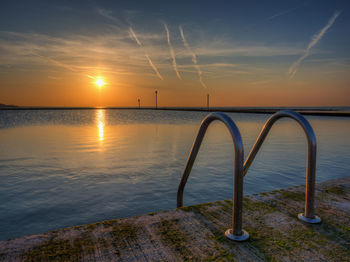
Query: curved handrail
(309,215)
(237,233)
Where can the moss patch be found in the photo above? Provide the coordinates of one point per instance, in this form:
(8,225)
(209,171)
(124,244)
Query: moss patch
(174,238)
(333,233)
(256,205)
(186,209)
(123,234)
(336,190)
(296,240)
(346,229)
(293,195)
(61,250)
(108,223)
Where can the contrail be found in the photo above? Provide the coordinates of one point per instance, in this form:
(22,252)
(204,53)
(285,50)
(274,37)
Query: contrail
(294,67)
(107,14)
(172,53)
(284,12)
(194,58)
(146,55)
(153,66)
(135,37)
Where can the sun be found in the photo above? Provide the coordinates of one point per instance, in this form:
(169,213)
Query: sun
(100,82)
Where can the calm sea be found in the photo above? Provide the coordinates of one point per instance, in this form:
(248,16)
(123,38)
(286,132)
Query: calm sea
(63,168)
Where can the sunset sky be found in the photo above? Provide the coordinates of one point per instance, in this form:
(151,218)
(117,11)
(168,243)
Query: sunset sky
(242,53)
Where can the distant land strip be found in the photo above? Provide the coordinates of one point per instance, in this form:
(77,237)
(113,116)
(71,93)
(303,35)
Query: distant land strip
(322,111)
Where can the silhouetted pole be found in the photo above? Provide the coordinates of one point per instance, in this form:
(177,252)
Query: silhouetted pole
(139,101)
(208,102)
(156,92)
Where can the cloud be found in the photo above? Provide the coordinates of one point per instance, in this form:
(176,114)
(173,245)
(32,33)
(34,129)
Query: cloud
(105,53)
(92,77)
(224,49)
(315,39)
(135,37)
(54,62)
(146,55)
(194,58)
(154,67)
(172,53)
(107,14)
(114,54)
(285,12)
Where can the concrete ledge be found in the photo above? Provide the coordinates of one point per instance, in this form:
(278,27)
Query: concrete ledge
(197,233)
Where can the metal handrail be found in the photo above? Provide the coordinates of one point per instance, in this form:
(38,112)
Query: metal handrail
(236,232)
(240,169)
(309,215)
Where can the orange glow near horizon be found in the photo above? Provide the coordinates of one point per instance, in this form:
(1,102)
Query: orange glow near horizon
(74,90)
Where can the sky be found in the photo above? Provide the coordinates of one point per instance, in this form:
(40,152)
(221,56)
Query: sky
(242,53)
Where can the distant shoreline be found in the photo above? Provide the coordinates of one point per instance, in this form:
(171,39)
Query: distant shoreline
(322,111)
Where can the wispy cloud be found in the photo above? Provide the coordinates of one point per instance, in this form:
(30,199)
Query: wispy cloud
(112,54)
(76,54)
(55,62)
(172,53)
(194,58)
(153,66)
(107,14)
(285,12)
(135,37)
(92,77)
(146,54)
(315,39)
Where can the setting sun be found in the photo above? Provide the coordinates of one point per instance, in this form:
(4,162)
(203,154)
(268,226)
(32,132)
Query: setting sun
(100,82)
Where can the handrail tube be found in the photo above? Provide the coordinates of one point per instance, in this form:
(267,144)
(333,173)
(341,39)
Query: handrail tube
(309,215)
(240,169)
(237,233)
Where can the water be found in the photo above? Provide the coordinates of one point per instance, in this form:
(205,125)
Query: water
(70,167)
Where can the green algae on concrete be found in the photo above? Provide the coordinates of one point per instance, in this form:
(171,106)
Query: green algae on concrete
(61,249)
(196,233)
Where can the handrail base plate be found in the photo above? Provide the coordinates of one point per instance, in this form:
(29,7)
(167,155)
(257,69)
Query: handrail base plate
(315,220)
(233,237)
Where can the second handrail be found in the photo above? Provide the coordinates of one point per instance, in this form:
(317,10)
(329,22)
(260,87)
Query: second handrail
(309,215)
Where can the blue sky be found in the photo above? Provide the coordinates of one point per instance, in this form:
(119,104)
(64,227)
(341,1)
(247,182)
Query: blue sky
(257,49)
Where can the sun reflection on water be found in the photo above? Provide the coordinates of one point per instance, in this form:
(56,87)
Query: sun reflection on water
(100,119)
